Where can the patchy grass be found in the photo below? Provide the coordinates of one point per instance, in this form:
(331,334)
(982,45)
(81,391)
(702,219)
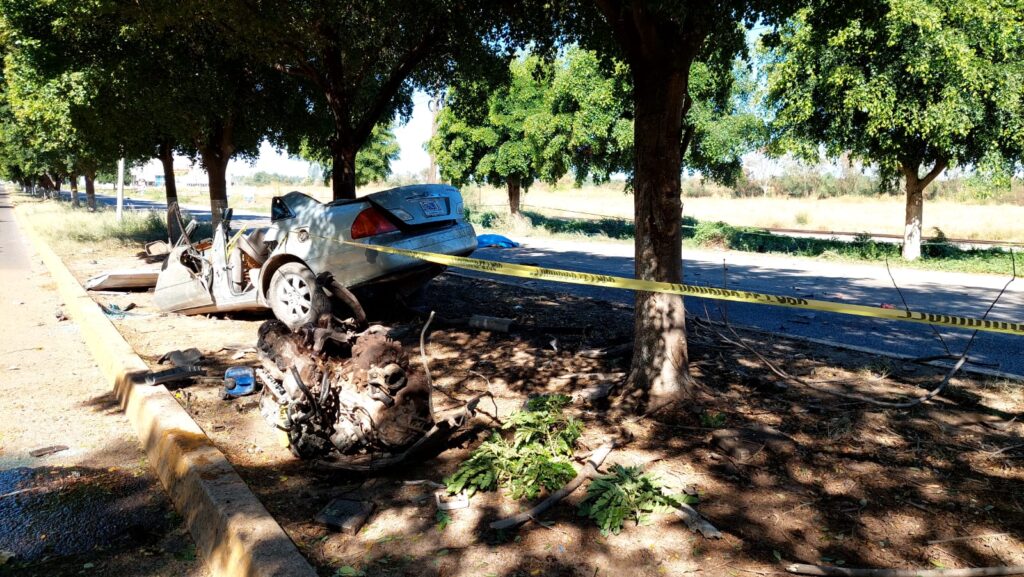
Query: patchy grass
(882,214)
(64,225)
(937,254)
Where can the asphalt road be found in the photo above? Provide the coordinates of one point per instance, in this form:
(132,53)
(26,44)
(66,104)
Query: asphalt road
(926,291)
(868,284)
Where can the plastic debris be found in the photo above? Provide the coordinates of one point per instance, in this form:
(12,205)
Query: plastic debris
(495,240)
(170,375)
(43,452)
(185,358)
(345,515)
(239,382)
(446,502)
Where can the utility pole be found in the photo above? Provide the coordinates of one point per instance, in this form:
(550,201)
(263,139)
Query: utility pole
(120,188)
(434,106)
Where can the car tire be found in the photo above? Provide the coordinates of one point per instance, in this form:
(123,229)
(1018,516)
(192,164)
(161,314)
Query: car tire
(295,296)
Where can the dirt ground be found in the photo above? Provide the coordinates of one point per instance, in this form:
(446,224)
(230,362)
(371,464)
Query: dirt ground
(94,507)
(833,481)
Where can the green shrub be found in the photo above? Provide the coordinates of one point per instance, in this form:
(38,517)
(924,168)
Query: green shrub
(536,458)
(714,234)
(626,494)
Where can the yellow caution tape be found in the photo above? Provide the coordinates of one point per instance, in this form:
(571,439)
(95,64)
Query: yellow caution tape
(568,276)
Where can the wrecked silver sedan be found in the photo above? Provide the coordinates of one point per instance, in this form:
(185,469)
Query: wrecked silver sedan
(296,265)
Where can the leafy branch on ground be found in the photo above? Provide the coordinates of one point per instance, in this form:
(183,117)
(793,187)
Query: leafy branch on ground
(627,493)
(537,457)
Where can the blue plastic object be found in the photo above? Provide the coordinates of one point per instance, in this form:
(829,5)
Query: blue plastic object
(495,240)
(239,382)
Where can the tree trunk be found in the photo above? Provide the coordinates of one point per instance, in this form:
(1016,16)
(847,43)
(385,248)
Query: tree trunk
(47,185)
(216,170)
(216,147)
(514,188)
(435,109)
(74,191)
(914,215)
(166,154)
(914,220)
(343,171)
(660,366)
(90,190)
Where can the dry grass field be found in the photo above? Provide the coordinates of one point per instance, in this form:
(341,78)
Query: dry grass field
(880,215)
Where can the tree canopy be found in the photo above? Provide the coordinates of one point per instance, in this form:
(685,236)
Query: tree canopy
(574,115)
(910,85)
(360,61)
(496,141)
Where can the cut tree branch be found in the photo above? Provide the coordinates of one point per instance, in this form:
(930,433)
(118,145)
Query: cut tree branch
(589,471)
(824,570)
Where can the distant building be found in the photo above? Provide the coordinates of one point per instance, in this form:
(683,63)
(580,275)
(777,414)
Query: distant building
(186,173)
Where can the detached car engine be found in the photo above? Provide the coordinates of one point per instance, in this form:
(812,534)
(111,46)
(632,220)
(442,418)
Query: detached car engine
(335,389)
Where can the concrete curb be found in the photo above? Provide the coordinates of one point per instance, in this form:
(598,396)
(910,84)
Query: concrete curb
(233,532)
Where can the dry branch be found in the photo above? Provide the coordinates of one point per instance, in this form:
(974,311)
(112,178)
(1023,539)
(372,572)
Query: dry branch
(823,570)
(589,471)
(695,522)
(966,538)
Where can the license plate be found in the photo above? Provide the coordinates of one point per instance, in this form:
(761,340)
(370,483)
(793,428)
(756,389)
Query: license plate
(434,207)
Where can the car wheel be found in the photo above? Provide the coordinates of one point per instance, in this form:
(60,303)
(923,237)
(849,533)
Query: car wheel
(295,296)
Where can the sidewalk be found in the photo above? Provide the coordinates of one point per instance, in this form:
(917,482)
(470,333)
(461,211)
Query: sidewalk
(94,508)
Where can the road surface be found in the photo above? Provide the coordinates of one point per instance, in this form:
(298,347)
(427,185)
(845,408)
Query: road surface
(868,284)
(926,291)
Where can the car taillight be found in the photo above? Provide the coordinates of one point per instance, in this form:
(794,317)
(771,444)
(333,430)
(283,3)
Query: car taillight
(371,222)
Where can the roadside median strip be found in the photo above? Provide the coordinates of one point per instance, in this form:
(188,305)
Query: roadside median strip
(235,534)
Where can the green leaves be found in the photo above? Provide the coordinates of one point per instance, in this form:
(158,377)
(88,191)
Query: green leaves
(537,458)
(626,494)
(900,81)
(548,119)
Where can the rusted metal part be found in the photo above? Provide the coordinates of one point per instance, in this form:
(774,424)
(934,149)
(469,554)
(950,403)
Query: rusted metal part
(343,392)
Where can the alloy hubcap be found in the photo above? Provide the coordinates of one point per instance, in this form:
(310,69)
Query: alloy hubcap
(294,293)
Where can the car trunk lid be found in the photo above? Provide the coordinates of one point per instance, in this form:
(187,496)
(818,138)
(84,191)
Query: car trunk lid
(420,204)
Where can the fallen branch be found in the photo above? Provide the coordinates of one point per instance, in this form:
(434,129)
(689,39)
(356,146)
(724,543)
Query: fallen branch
(426,362)
(739,342)
(853,397)
(824,570)
(966,538)
(906,307)
(696,523)
(589,471)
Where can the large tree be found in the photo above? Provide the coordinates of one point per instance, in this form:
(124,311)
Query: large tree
(361,60)
(659,41)
(221,99)
(96,84)
(913,86)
